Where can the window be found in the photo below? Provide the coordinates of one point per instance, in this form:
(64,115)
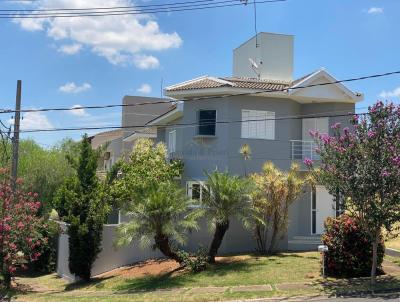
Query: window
(172,141)
(258,124)
(196,190)
(313,211)
(207,120)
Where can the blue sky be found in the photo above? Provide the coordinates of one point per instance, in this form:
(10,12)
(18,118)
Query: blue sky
(83,62)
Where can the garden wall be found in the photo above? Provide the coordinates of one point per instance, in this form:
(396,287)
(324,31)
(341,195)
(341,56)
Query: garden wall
(236,240)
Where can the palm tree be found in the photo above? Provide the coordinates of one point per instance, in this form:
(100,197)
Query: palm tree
(226,197)
(162,216)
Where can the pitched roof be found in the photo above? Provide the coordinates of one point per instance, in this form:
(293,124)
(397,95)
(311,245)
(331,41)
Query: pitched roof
(234,82)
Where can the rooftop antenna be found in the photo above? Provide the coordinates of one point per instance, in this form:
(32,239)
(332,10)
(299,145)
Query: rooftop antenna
(255,67)
(255,22)
(245,2)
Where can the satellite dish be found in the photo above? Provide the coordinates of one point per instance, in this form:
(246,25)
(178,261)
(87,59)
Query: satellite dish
(254,66)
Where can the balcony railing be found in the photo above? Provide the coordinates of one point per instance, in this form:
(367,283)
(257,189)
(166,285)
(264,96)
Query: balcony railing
(304,149)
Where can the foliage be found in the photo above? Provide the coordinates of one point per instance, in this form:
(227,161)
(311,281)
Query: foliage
(346,241)
(146,167)
(197,262)
(47,260)
(44,170)
(21,230)
(83,203)
(364,166)
(162,216)
(225,197)
(275,192)
(245,152)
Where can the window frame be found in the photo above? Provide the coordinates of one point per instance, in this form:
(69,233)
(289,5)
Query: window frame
(199,126)
(172,145)
(268,129)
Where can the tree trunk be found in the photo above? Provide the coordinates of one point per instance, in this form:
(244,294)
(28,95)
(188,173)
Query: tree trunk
(374,257)
(220,230)
(162,243)
(275,233)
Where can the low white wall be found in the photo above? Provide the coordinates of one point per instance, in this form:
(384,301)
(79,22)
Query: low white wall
(236,240)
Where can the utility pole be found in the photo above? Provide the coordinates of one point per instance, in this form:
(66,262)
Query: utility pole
(15,141)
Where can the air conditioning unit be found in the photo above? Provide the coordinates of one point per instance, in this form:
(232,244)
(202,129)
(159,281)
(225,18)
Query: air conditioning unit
(107,155)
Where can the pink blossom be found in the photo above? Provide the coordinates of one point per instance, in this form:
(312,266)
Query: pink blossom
(371,134)
(308,162)
(335,126)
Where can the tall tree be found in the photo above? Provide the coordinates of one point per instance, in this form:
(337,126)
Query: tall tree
(226,197)
(275,192)
(363,165)
(86,206)
(158,208)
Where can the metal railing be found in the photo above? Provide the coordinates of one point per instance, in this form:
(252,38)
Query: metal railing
(304,149)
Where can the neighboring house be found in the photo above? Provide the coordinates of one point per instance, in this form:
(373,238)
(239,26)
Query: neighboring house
(111,142)
(263,93)
(119,143)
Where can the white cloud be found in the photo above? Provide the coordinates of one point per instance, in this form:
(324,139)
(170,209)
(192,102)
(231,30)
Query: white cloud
(390,94)
(78,112)
(70,49)
(34,121)
(122,39)
(375,10)
(145,88)
(71,87)
(146,62)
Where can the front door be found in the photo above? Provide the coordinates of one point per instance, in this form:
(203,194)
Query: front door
(322,206)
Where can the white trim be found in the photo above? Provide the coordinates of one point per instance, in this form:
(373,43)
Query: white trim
(323,73)
(136,135)
(169,116)
(172,144)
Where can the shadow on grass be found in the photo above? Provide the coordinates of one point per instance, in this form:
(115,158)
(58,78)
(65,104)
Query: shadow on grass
(359,286)
(97,282)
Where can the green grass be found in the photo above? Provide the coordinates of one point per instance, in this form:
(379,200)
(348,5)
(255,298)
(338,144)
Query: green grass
(249,270)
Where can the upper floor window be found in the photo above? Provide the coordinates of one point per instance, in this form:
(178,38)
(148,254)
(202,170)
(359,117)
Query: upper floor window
(207,121)
(172,141)
(258,124)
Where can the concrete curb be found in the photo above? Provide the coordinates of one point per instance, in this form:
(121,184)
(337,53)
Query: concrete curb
(392,252)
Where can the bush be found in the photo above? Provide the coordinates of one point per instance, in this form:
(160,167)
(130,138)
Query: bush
(47,260)
(350,248)
(197,262)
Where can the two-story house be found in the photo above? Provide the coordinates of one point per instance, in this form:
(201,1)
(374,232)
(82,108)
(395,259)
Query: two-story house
(261,105)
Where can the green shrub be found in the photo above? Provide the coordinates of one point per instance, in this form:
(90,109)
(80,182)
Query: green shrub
(350,248)
(196,262)
(47,260)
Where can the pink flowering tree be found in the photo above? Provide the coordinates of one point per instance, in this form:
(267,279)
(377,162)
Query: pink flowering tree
(20,229)
(363,165)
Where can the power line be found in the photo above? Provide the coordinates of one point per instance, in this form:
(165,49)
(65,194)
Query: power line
(173,102)
(186,124)
(106,8)
(129,12)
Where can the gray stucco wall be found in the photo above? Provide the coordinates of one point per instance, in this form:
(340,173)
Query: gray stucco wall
(222,151)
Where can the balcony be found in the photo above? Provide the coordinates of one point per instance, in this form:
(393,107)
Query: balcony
(304,149)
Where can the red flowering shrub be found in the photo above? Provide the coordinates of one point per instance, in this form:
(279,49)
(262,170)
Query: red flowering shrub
(20,228)
(350,248)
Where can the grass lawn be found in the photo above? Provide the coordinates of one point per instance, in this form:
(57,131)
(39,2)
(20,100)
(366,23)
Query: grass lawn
(393,243)
(145,283)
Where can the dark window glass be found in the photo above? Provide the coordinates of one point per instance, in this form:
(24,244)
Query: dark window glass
(314,199)
(314,222)
(207,120)
(196,191)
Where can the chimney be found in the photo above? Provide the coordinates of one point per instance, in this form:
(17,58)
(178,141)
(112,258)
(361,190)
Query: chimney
(270,57)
